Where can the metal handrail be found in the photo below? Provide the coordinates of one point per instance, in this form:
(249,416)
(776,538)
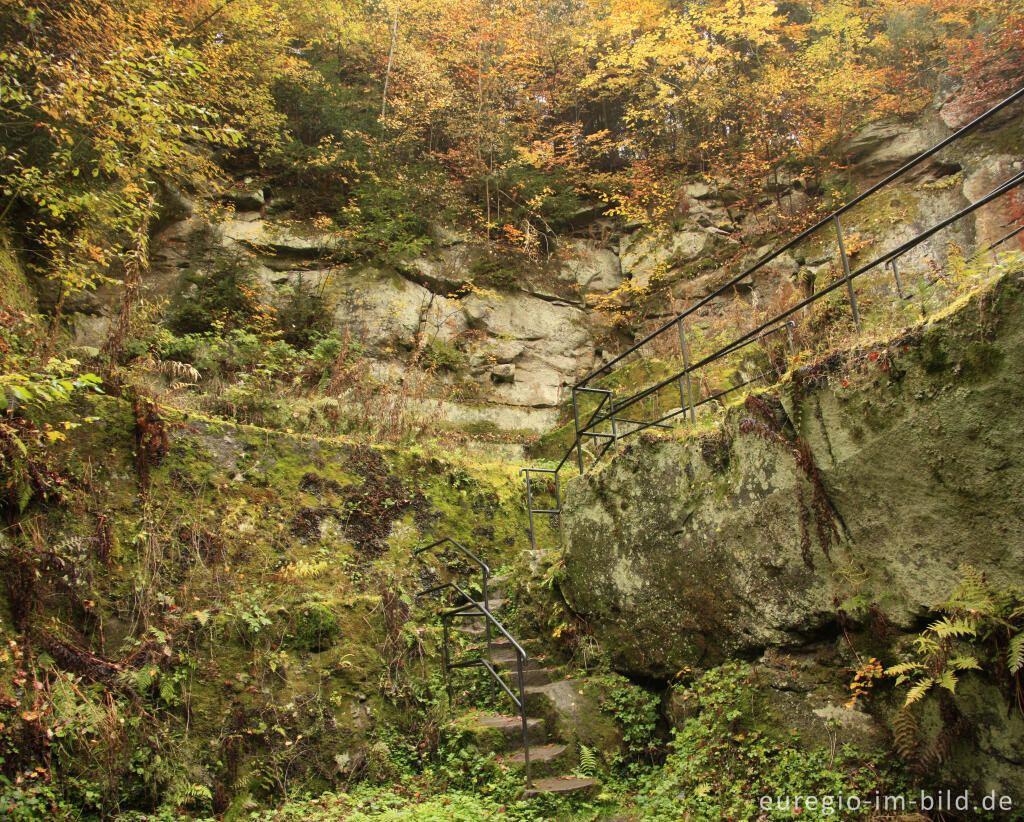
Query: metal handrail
(920,158)
(485,573)
(895,253)
(472,608)
(683,377)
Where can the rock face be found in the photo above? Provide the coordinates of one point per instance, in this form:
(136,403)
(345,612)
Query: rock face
(442,296)
(643,254)
(594,269)
(686,553)
(520,346)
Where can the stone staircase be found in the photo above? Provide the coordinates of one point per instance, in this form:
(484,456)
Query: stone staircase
(553,760)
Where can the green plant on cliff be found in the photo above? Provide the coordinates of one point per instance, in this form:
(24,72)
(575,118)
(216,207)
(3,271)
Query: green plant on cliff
(723,761)
(981,628)
(637,712)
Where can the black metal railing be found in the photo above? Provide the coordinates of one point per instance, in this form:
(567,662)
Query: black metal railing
(608,423)
(468,607)
(485,573)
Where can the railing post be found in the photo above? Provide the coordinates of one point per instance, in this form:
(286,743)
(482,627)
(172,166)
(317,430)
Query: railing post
(447,660)
(894,264)
(579,439)
(522,713)
(686,368)
(558,506)
(529,507)
(611,411)
(846,271)
(789,337)
(487,627)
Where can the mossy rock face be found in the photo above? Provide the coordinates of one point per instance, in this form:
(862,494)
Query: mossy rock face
(680,554)
(315,627)
(280,633)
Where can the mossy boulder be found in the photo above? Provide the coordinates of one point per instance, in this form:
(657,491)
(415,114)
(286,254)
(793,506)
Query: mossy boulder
(873,476)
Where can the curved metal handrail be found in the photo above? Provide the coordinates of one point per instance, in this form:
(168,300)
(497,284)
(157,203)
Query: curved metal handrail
(616,407)
(471,608)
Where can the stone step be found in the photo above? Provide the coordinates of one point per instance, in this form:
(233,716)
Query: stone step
(561,785)
(556,696)
(493,605)
(534,675)
(545,760)
(511,726)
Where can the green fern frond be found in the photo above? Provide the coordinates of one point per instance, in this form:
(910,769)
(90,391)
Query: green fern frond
(965,663)
(144,677)
(947,628)
(904,668)
(947,679)
(168,692)
(1015,654)
(919,690)
(588,761)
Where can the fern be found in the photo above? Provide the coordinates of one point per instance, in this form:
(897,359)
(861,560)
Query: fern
(145,677)
(588,761)
(168,691)
(1015,654)
(903,669)
(947,679)
(905,734)
(946,628)
(918,691)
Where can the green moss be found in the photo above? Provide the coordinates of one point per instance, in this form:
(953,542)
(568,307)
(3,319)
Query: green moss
(981,359)
(15,291)
(315,627)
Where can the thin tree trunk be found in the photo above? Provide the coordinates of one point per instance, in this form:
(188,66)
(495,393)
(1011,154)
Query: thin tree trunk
(391,60)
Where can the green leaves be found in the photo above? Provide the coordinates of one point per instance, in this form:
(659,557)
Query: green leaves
(981,629)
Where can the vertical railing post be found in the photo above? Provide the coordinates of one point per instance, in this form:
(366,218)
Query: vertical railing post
(579,437)
(894,264)
(522,713)
(611,411)
(789,337)
(529,507)
(558,506)
(686,369)
(487,627)
(846,271)
(446,659)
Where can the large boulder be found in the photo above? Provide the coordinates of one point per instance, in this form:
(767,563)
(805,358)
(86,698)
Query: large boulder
(383,312)
(553,338)
(995,220)
(685,553)
(882,146)
(249,231)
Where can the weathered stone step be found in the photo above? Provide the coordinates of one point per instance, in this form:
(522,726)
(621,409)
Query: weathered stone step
(561,785)
(545,760)
(499,642)
(534,672)
(512,728)
(556,696)
(534,675)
